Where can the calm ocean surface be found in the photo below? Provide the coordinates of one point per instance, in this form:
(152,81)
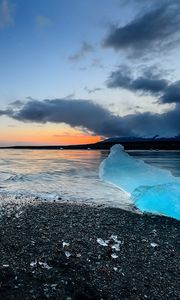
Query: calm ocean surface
(72,175)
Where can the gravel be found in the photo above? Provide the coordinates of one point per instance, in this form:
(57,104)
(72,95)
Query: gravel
(68,251)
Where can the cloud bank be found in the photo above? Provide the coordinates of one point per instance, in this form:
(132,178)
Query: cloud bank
(90,116)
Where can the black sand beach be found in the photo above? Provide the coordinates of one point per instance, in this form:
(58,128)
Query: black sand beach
(35,264)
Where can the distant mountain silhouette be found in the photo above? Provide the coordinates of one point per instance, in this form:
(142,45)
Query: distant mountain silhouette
(136,139)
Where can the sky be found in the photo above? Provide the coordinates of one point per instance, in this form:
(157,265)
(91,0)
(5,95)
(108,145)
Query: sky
(79,71)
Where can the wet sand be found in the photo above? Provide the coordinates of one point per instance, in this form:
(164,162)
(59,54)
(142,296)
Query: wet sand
(68,251)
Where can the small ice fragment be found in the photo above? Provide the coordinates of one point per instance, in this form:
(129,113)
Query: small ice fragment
(102,242)
(114,255)
(33,263)
(54,285)
(113,237)
(154,245)
(144,240)
(45,265)
(67,253)
(154,231)
(115,269)
(40,263)
(116,246)
(6,266)
(78,255)
(65,244)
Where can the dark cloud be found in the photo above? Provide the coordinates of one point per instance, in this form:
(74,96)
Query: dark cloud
(148,83)
(94,118)
(171,93)
(121,78)
(151,85)
(143,124)
(83,51)
(2,112)
(6,112)
(155,30)
(73,112)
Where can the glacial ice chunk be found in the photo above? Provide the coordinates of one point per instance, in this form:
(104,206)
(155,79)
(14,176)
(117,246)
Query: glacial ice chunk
(161,199)
(152,189)
(128,173)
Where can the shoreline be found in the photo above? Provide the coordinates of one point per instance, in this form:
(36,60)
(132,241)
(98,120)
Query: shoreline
(146,144)
(140,263)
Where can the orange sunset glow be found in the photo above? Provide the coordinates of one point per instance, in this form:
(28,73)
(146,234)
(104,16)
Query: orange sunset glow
(47,135)
(48,140)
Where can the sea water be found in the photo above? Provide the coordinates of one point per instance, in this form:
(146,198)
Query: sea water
(68,175)
(72,175)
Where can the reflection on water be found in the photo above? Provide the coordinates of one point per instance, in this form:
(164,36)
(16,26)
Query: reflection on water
(168,160)
(36,161)
(70,174)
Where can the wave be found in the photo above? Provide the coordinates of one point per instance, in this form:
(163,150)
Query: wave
(151,189)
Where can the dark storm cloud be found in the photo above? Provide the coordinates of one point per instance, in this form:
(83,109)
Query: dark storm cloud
(155,30)
(147,83)
(83,51)
(93,117)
